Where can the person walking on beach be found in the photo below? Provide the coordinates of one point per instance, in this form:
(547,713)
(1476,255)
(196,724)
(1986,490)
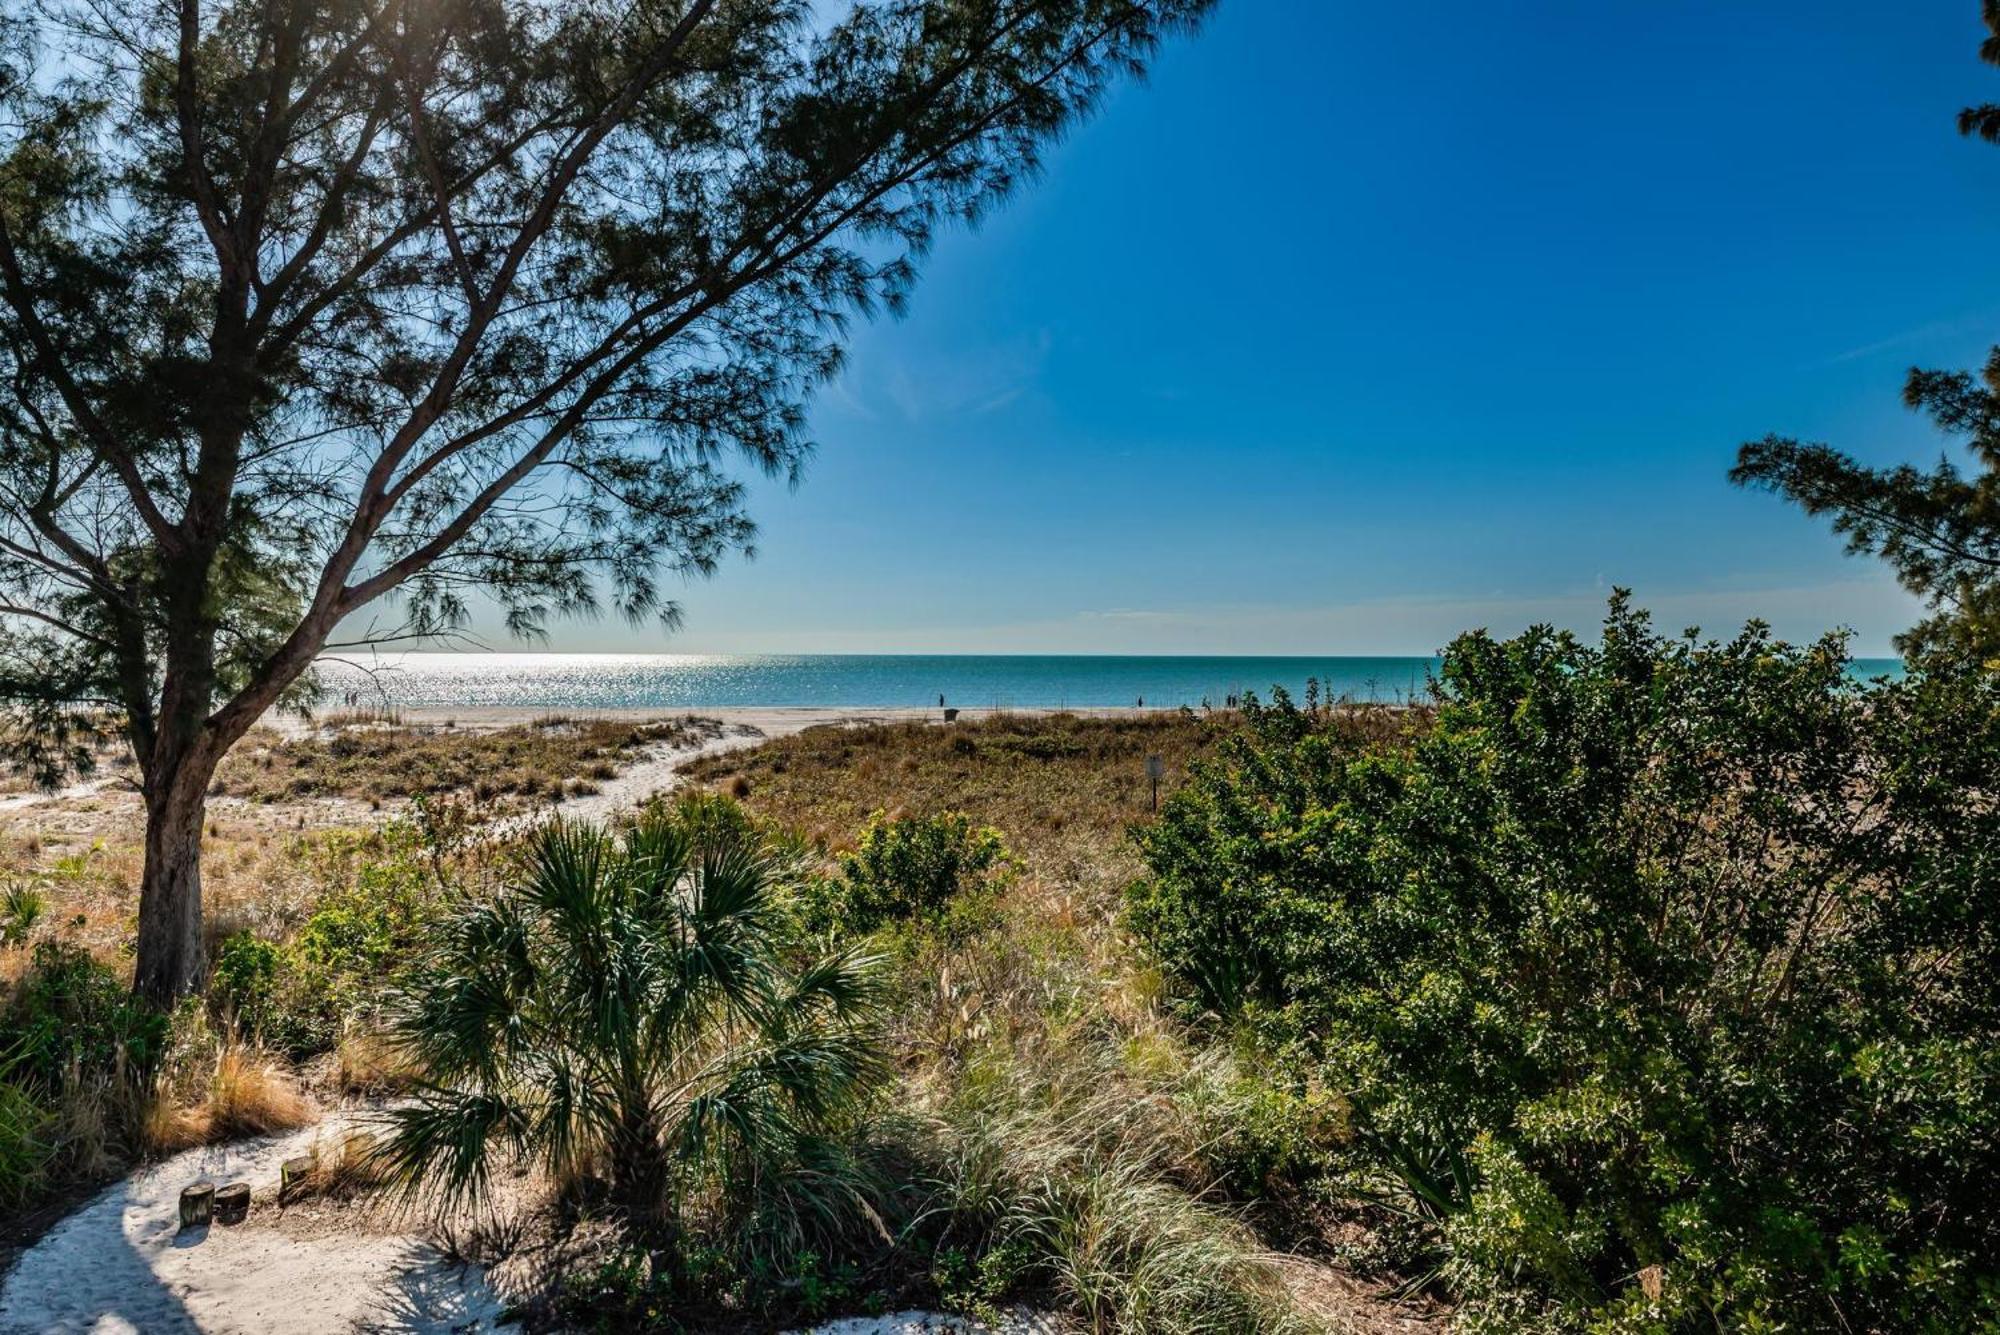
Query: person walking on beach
(940,699)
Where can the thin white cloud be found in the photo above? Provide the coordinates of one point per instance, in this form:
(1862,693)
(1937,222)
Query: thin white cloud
(1934,329)
(925,390)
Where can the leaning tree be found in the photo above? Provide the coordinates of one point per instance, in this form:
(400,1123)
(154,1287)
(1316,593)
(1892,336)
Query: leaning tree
(314,308)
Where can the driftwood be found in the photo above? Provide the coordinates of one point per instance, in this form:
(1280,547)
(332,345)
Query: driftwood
(197,1203)
(232,1203)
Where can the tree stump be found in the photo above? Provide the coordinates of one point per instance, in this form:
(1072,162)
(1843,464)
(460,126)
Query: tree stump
(197,1203)
(232,1203)
(293,1176)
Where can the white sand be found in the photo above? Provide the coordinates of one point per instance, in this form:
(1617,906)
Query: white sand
(123,1264)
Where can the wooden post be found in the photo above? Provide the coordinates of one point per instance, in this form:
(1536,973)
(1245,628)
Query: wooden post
(232,1203)
(197,1203)
(293,1177)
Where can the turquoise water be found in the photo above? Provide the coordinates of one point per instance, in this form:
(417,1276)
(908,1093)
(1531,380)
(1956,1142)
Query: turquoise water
(874,681)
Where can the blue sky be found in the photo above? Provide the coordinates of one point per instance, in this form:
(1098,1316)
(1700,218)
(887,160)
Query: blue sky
(1361,324)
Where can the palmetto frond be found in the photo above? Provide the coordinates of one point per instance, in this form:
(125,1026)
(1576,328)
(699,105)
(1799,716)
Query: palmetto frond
(629,1005)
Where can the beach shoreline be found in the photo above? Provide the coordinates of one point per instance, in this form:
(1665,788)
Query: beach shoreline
(771,720)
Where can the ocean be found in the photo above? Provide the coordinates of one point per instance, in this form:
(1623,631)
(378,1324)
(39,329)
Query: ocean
(870,681)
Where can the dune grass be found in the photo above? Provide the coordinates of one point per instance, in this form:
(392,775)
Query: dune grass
(246,1093)
(1063,788)
(377,761)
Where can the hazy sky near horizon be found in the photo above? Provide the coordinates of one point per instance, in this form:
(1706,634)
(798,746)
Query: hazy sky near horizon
(1362,324)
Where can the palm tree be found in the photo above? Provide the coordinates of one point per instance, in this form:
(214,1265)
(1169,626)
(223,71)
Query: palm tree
(626,1012)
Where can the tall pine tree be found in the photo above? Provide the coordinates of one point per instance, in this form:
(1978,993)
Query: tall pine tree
(310,308)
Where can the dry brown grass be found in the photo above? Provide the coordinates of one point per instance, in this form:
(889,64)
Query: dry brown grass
(365,1063)
(377,761)
(1062,788)
(254,879)
(344,1165)
(248,1094)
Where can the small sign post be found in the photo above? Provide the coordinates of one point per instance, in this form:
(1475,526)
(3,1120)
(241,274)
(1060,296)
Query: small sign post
(1156,768)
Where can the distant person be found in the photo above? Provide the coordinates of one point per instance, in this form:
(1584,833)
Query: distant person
(940,699)
(1142,702)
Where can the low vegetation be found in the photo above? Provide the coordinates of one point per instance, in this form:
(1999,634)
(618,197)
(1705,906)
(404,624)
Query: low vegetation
(380,759)
(940,872)
(1638,985)
(624,1012)
(1062,788)
(1060,1143)
(1657,983)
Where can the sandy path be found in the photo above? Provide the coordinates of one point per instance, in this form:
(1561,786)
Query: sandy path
(122,1264)
(655,770)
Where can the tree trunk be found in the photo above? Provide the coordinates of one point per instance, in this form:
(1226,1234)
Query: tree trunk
(639,1169)
(170,963)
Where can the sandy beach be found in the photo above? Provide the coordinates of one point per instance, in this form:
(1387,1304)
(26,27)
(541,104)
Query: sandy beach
(772,720)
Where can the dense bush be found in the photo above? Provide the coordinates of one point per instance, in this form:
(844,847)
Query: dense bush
(1662,975)
(79,1056)
(74,1015)
(244,977)
(921,869)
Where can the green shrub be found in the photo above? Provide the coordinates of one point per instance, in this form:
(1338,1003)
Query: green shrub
(334,971)
(22,906)
(936,871)
(72,1014)
(1662,975)
(26,1146)
(76,1079)
(243,979)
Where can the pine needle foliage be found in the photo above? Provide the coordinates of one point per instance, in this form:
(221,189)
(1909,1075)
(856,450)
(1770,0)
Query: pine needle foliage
(318,316)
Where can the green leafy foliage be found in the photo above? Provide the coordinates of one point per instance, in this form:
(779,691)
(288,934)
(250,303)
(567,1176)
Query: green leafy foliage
(299,996)
(72,1013)
(79,1057)
(1661,976)
(243,978)
(938,872)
